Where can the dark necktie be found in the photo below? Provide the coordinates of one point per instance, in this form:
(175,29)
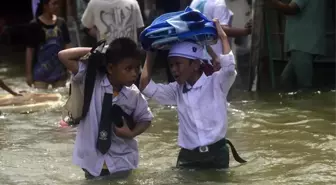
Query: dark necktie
(105,126)
(185,89)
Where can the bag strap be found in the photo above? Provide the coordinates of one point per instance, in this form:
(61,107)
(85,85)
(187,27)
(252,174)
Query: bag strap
(91,76)
(235,153)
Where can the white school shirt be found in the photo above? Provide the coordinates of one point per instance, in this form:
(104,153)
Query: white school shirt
(114,18)
(215,9)
(202,112)
(123,153)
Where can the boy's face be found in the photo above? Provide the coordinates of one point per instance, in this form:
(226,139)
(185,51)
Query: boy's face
(182,68)
(125,72)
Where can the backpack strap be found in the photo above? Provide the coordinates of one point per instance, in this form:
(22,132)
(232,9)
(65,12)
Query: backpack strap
(94,62)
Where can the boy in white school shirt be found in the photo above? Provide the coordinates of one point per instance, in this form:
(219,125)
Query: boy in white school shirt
(201,102)
(102,148)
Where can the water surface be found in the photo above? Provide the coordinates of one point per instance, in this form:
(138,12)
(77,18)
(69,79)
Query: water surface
(286,139)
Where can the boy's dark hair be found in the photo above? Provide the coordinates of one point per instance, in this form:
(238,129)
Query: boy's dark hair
(117,51)
(120,49)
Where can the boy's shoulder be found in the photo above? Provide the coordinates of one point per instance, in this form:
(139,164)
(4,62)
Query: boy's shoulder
(132,91)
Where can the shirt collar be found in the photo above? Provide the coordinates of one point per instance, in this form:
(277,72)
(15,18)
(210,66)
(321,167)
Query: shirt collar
(199,82)
(106,83)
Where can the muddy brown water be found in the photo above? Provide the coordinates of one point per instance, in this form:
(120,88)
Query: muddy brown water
(286,138)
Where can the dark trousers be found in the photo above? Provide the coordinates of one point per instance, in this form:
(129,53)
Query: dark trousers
(214,156)
(104,172)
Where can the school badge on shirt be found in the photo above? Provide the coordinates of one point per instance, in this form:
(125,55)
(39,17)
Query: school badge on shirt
(103,135)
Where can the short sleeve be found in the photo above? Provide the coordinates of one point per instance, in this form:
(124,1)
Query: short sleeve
(79,77)
(142,112)
(88,16)
(139,19)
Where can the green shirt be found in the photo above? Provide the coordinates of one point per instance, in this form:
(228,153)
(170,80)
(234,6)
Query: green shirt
(306,31)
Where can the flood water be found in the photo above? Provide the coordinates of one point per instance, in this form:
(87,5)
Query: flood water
(286,139)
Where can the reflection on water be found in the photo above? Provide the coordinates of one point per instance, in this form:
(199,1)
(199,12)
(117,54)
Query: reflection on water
(286,138)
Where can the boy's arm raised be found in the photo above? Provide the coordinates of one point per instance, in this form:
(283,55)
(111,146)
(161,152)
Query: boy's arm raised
(70,57)
(227,74)
(146,74)
(163,93)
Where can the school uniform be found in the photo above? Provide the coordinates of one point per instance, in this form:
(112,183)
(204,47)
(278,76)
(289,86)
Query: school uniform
(202,110)
(122,154)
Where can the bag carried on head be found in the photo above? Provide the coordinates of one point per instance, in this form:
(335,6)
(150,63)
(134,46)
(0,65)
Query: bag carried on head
(170,28)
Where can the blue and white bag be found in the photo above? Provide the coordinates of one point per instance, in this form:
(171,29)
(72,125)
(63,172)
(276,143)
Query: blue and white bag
(170,28)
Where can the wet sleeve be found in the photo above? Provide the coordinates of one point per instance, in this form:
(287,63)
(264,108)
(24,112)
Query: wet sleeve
(79,77)
(227,74)
(223,14)
(165,94)
(301,3)
(142,112)
(88,18)
(138,15)
(65,32)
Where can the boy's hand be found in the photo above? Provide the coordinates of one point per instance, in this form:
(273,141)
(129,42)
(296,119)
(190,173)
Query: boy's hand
(223,37)
(216,65)
(124,131)
(221,33)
